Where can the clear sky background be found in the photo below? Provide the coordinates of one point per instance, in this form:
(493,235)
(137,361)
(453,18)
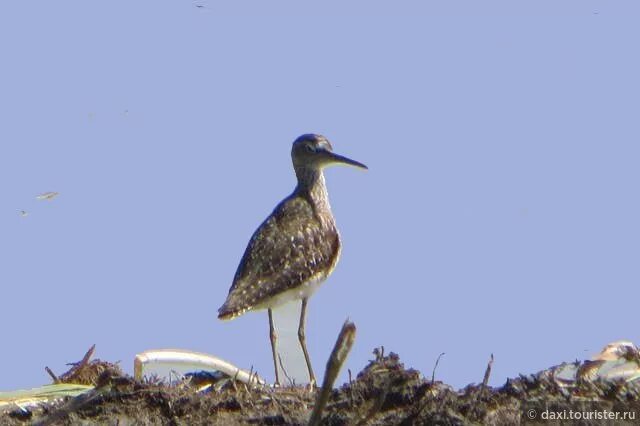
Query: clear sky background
(500,213)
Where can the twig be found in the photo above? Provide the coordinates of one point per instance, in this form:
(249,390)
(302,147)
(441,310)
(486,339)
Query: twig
(433,373)
(52,374)
(88,355)
(379,353)
(255,377)
(291,382)
(85,359)
(234,380)
(487,373)
(336,360)
(75,366)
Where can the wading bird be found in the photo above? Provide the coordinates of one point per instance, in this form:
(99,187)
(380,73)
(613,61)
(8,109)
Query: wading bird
(295,249)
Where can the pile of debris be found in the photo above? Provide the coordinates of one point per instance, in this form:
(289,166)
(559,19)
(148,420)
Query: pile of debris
(383,393)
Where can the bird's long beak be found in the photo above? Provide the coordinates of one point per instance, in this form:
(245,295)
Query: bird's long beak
(332,158)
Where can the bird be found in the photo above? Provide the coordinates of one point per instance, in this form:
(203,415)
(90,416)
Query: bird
(295,248)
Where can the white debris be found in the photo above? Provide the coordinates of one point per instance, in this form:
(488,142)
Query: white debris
(616,350)
(179,360)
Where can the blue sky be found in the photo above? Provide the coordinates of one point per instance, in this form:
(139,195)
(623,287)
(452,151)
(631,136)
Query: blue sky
(499,214)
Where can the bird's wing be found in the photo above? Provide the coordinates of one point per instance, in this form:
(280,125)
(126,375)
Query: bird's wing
(288,249)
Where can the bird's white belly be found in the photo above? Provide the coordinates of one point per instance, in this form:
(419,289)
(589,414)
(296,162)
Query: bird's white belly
(301,292)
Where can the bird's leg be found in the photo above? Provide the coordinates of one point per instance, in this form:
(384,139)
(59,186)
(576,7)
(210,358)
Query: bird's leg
(274,338)
(303,342)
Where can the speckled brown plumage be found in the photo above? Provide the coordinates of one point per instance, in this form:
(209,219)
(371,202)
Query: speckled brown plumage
(295,248)
(297,243)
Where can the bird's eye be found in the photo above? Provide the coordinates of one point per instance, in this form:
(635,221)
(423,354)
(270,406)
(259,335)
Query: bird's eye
(310,148)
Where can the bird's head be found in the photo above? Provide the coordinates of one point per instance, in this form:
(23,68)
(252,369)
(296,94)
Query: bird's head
(315,151)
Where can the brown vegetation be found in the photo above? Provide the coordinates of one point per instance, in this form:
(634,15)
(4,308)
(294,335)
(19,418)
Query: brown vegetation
(383,393)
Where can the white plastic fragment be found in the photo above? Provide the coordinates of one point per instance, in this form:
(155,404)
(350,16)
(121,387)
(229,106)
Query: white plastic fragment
(188,361)
(618,360)
(615,350)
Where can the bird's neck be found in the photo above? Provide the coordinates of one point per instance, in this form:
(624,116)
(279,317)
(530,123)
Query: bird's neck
(311,184)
